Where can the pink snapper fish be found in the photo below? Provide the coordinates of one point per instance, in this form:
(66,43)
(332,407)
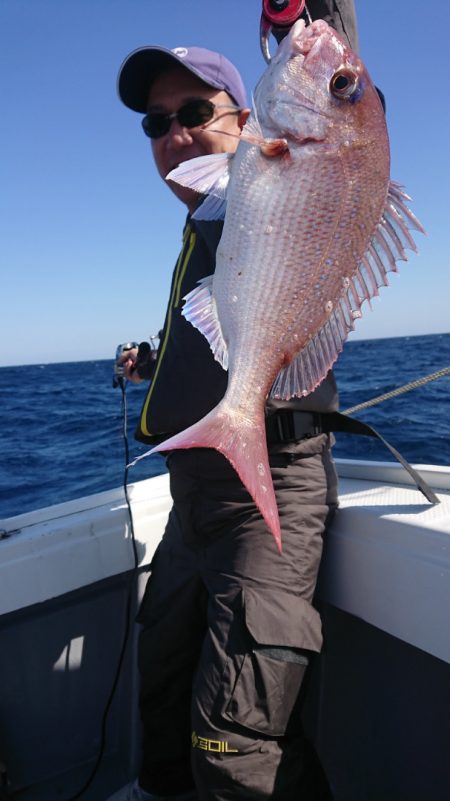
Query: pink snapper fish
(312,226)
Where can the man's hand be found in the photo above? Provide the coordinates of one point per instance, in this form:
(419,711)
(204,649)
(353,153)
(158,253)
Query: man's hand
(127,361)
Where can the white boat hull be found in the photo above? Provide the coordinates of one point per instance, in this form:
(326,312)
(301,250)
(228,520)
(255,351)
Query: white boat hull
(377,709)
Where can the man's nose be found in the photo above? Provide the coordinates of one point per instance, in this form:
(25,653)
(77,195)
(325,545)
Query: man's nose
(179,135)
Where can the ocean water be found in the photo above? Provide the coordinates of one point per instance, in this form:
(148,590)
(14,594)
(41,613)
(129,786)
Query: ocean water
(61,424)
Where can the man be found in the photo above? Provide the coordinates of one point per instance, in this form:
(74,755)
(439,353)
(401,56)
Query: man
(228,628)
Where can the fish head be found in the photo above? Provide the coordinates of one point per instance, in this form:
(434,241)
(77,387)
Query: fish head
(316,89)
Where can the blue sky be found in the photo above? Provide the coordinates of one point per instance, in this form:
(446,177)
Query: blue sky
(89,234)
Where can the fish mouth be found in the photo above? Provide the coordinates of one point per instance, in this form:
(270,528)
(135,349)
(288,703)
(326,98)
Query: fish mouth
(312,42)
(308,36)
(301,38)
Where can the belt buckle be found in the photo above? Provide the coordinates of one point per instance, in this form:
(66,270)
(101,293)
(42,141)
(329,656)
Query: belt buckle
(312,425)
(316,425)
(285,425)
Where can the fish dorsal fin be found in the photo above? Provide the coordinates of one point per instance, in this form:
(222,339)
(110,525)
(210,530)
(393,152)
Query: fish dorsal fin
(392,236)
(207,175)
(200,310)
(307,370)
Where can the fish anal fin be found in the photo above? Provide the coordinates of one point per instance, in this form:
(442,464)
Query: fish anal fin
(200,310)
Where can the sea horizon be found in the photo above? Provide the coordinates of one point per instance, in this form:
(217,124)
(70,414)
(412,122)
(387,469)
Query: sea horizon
(44,363)
(62,427)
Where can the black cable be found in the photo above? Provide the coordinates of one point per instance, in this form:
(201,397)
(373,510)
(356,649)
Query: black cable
(129,600)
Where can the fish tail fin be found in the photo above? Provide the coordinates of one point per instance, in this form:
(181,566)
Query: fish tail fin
(246,450)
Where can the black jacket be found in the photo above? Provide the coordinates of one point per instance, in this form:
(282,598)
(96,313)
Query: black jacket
(186,381)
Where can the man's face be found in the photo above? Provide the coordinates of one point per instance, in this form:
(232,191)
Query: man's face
(168,93)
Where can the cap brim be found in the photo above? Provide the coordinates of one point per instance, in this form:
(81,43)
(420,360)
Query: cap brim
(141,68)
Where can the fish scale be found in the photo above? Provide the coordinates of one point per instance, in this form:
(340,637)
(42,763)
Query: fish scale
(312,226)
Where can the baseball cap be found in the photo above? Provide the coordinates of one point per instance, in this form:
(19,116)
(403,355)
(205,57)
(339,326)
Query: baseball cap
(142,66)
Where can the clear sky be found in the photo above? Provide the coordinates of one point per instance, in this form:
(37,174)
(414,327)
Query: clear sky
(89,234)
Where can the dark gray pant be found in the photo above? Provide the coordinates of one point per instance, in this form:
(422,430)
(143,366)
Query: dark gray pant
(228,627)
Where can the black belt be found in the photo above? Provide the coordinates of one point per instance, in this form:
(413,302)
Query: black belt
(291,425)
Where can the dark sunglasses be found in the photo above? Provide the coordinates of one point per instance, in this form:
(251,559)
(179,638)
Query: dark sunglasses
(190,115)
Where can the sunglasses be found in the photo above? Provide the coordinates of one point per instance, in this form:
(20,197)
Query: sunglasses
(190,115)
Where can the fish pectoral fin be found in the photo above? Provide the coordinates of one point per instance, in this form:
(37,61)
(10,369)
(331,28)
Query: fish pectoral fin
(274,147)
(253,134)
(252,129)
(269,147)
(201,311)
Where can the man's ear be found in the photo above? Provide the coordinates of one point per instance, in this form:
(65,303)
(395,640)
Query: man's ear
(243,117)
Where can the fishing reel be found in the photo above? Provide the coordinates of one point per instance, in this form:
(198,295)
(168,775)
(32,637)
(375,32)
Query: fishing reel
(118,377)
(277,17)
(145,356)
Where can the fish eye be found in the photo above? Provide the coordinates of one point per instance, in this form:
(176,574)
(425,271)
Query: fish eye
(344,83)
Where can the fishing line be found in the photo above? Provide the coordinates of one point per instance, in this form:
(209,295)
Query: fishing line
(400,390)
(128,605)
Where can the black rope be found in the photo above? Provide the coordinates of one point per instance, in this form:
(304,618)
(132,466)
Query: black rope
(400,390)
(128,607)
(336,421)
